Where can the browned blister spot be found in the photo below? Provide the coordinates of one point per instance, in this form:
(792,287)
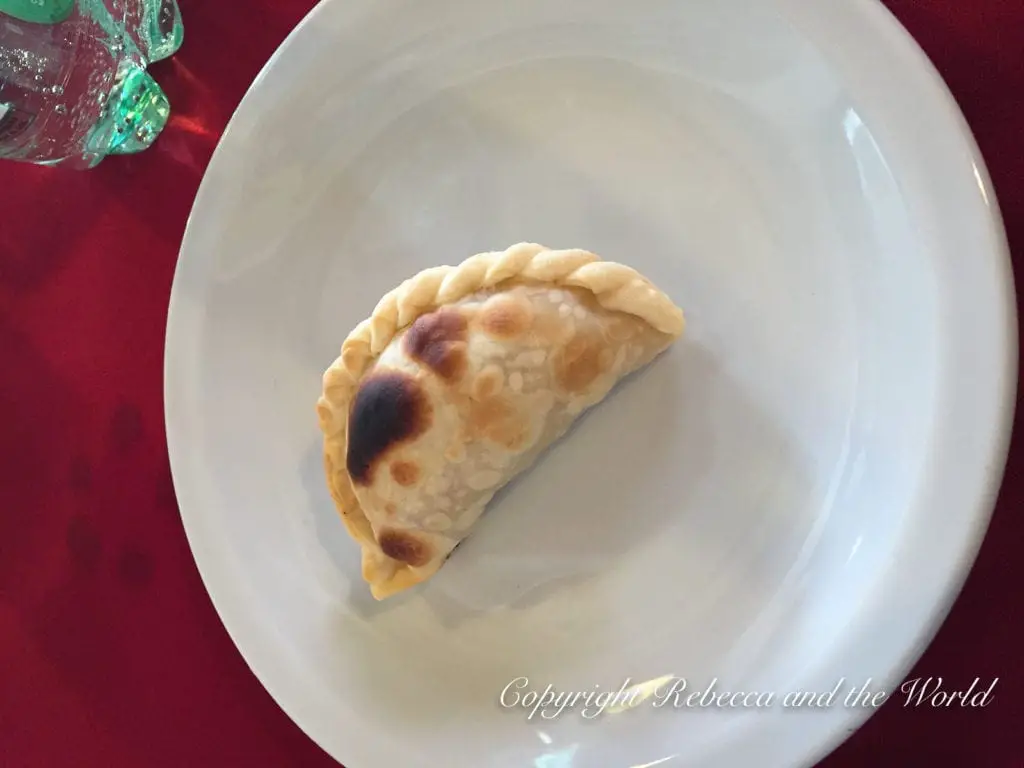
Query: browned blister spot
(507,316)
(497,420)
(579,363)
(455,452)
(405,473)
(404,547)
(438,340)
(488,382)
(390,509)
(389,409)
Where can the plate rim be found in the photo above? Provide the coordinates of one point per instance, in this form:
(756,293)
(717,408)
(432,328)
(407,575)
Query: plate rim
(902,655)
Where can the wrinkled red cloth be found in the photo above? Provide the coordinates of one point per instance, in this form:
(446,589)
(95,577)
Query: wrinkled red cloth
(111,654)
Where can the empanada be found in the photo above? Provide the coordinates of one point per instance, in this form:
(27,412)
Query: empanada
(459,379)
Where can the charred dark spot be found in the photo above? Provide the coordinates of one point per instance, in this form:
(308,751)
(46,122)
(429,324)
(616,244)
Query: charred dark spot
(404,547)
(389,409)
(438,340)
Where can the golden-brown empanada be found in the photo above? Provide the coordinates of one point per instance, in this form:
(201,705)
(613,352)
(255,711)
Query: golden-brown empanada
(459,379)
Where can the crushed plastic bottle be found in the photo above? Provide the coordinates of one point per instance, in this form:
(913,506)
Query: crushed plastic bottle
(73,80)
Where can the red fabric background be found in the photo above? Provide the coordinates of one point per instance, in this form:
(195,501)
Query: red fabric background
(110,652)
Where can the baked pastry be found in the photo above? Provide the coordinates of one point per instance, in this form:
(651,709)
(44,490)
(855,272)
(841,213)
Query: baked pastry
(456,382)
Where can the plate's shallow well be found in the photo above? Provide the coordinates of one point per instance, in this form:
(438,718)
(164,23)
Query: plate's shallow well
(788,499)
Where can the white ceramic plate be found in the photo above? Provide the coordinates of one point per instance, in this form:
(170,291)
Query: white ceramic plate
(788,499)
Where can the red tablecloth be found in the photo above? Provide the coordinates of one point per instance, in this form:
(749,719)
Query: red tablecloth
(110,652)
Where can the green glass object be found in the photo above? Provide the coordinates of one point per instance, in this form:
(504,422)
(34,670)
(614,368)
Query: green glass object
(38,11)
(162,31)
(73,82)
(135,114)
